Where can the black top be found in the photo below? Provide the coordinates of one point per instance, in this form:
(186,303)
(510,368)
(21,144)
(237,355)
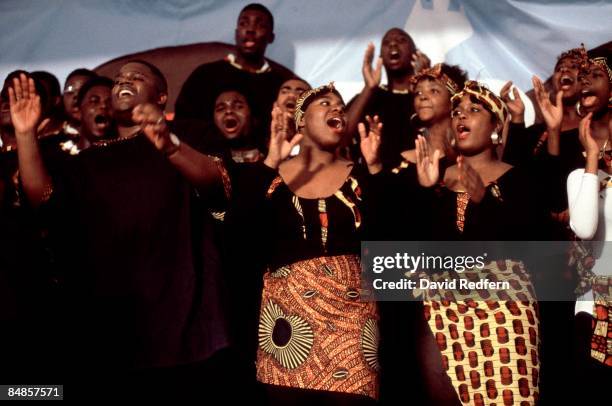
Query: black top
(136,257)
(395,111)
(508,212)
(528,148)
(290,228)
(195,103)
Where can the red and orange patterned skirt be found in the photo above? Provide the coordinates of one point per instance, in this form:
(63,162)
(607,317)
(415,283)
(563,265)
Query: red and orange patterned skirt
(314,331)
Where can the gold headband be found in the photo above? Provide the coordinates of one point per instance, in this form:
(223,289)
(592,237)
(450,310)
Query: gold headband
(486,97)
(435,72)
(307,96)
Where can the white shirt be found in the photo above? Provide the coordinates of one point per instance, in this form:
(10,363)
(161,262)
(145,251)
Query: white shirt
(590,209)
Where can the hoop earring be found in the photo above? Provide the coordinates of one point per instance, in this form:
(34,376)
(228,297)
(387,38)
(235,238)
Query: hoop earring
(578,111)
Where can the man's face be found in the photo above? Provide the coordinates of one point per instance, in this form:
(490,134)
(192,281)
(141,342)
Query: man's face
(96,112)
(396,51)
(134,84)
(253,33)
(232,115)
(289,93)
(71,91)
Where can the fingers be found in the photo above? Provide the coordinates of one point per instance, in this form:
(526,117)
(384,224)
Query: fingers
(516,94)
(505,91)
(148,115)
(368,57)
(295,140)
(18,89)
(378,68)
(559,99)
(362,131)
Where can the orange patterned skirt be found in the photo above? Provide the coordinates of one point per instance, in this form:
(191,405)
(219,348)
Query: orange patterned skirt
(314,331)
(490,348)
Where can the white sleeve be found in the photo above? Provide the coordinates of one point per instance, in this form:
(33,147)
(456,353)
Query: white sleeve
(583,196)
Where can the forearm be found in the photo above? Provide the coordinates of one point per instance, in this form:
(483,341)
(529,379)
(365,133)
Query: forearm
(356,110)
(201,170)
(583,203)
(553,142)
(35,179)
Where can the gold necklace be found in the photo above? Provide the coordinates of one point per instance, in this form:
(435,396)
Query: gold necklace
(106,143)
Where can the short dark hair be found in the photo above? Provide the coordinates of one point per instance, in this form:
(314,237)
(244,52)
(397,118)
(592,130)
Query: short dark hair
(162,84)
(456,74)
(263,9)
(89,74)
(94,81)
(50,80)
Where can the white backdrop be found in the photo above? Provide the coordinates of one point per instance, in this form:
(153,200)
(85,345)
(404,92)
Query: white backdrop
(321,40)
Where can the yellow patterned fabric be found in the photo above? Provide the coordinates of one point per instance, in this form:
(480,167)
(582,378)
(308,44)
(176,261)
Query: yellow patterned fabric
(489,348)
(489,99)
(435,72)
(314,332)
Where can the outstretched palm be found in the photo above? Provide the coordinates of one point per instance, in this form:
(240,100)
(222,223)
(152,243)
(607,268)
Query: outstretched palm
(552,113)
(428,164)
(280,147)
(370,141)
(371,76)
(24,105)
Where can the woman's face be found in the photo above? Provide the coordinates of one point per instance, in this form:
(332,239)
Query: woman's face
(232,115)
(324,122)
(472,125)
(565,77)
(431,100)
(595,89)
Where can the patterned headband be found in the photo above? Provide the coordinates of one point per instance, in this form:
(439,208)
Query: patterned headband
(308,96)
(435,72)
(579,54)
(602,62)
(489,99)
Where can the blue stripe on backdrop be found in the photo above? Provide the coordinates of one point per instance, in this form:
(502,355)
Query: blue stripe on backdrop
(321,40)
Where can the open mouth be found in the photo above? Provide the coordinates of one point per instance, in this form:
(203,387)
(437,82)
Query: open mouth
(588,98)
(290,105)
(126,92)
(394,56)
(230,124)
(566,80)
(102,121)
(249,43)
(336,123)
(462,132)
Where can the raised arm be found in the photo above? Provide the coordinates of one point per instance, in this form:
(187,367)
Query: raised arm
(200,169)
(583,187)
(371,78)
(25,115)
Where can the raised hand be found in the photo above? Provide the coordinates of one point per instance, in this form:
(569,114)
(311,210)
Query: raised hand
(280,147)
(420,61)
(586,137)
(151,120)
(370,143)
(371,76)
(471,180)
(24,105)
(552,113)
(515,105)
(428,164)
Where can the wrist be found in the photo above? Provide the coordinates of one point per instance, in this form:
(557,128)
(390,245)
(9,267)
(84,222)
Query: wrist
(517,118)
(173,146)
(374,168)
(271,162)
